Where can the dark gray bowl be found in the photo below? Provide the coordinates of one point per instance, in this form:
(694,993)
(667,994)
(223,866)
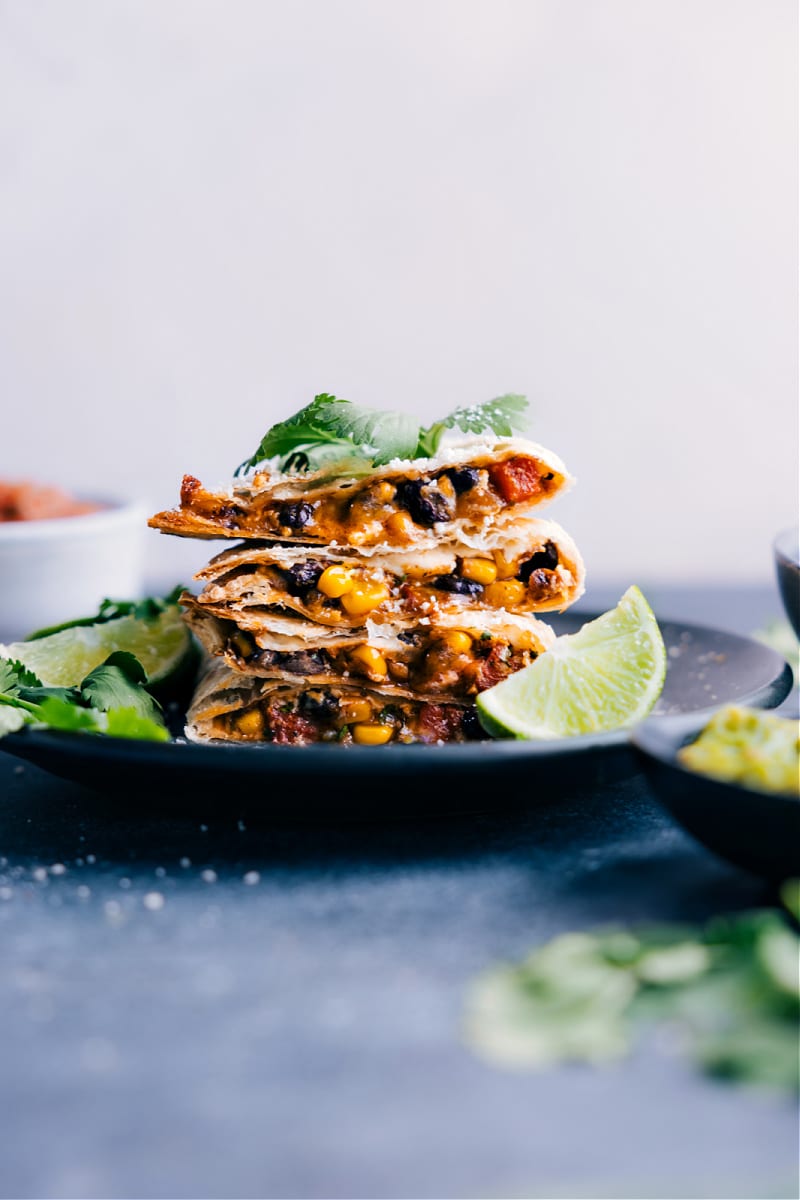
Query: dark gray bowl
(787,564)
(754,830)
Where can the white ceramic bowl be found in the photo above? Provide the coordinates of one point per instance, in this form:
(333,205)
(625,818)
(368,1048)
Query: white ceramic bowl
(52,571)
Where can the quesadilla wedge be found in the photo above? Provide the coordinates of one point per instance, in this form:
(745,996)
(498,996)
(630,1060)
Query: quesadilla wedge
(463,654)
(534,567)
(457,495)
(233,707)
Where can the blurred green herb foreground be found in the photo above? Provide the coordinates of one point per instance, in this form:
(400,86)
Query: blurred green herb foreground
(730,993)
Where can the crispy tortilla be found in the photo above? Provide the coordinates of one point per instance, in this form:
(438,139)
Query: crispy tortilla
(432,500)
(259,586)
(232,707)
(419,661)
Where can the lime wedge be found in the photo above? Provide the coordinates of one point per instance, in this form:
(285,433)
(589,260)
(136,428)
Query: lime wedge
(162,645)
(608,675)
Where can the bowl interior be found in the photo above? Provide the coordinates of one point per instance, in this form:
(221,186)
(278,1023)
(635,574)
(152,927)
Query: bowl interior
(759,831)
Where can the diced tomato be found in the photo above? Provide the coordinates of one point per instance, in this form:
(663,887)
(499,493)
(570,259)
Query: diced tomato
(189,487)
(416,600)
(493,668)
(516,479)
(439,722)
(291,728)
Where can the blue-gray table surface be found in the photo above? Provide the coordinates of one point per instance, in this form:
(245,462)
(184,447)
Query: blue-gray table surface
(201,1008)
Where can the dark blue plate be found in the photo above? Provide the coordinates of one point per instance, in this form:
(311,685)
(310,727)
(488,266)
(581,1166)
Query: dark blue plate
(705,667)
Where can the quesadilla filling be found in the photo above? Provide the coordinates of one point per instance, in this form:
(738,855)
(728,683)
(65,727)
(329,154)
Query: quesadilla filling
(345,594)
(432,662)
(339,714)
(393,508)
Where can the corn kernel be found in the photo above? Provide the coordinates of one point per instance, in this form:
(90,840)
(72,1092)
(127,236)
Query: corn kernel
(457,640)
(480,570)
(445,485)
(372,735)
(371,658)
(507,594)
(364,597)
(353,711)
(243,644)
(251,722)
(505,569)
(400,526)
(335,581)
(383,492)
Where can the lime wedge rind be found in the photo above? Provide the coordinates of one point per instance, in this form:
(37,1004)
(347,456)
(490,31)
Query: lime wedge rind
(162,645)
(605,677)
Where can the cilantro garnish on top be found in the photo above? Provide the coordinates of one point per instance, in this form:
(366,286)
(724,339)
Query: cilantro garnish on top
(330,430)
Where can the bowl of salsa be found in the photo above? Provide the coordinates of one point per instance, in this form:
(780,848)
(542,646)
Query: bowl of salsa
(61,554)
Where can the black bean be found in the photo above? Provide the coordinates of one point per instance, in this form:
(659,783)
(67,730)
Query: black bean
(296,515)
(264,658)
(301,577)
(463,479)
(424,502)
(538,579)
(319,704)
(546,559)
(301,662)
(229,514)
(462,587)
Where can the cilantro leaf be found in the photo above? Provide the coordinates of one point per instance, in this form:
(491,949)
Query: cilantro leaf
(502,416)
(116,722)
(116,683)
(111,700)
(329,429)
(35,695)
(57,713)
(15,705)
(13,676)
(335,432)
(129,723)
(730,988)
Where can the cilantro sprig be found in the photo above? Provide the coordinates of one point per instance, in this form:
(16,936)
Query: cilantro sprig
(332,431)
(731,989)
(110,700)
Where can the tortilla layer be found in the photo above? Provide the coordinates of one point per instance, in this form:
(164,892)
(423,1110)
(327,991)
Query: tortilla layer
(537,570)
(461,655)
(232,707)
(456,496)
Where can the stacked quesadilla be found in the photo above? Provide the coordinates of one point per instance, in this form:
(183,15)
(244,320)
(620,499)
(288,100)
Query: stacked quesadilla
(370,601)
